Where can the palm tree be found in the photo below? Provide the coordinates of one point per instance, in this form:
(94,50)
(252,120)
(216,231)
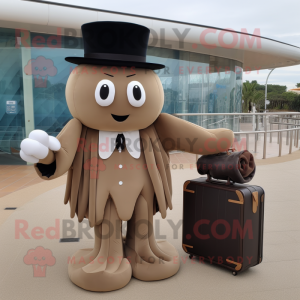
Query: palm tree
(258,99)
(251,95)
(247,91)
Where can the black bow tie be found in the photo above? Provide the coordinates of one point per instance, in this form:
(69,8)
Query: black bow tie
(120,141)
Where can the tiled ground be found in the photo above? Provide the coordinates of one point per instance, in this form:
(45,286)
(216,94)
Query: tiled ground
(276,278)
(13,178)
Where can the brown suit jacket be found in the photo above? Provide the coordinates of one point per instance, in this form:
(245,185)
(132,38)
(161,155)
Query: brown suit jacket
(167,133)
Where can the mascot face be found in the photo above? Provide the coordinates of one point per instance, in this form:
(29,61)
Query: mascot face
(114,99)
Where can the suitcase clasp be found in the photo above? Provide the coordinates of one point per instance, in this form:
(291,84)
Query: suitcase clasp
(254,201)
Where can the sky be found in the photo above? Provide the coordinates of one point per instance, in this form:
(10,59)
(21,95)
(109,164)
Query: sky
(276,19)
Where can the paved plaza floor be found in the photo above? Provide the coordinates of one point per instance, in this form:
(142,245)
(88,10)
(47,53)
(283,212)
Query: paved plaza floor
(41,204)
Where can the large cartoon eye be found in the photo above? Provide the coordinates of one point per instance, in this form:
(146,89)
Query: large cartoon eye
(136,94)
(105,93)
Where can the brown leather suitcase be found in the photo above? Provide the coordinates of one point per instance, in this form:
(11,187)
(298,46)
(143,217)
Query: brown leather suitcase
(223,224)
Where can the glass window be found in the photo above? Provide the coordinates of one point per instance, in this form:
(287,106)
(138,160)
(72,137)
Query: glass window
(33,77)
(12,123)
(199,83)
(50,73)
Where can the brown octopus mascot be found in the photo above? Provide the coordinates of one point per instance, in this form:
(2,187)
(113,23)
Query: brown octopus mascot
(115,150)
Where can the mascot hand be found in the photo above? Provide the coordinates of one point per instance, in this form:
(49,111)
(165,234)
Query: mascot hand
(37,146)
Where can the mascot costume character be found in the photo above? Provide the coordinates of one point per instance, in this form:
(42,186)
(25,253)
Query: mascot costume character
(116,153)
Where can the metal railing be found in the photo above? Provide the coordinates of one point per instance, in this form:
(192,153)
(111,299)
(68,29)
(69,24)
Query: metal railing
(268,120)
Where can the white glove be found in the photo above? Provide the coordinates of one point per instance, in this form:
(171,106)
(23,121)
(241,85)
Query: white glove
(37,146)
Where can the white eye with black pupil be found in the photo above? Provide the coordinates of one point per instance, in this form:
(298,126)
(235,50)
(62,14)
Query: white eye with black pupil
(136,94)
(105,93)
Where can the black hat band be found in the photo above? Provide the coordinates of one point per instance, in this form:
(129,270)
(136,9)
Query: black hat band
(113,56)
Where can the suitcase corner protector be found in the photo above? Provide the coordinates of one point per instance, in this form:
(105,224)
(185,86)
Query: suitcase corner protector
(240,196)
(238,266)
(254,201)
(185,187)
(184,247)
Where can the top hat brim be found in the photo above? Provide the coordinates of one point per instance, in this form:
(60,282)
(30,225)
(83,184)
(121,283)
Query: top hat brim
(117,63)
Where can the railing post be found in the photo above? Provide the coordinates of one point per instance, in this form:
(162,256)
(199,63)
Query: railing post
(233,123)
(255,142)
(296,134)
(295,140)
(298,137)
(291,141)
(297,144)
(280,143)
(265,137)
(257,125)
(253,117)
(279,127)
(287,135)
(247,141)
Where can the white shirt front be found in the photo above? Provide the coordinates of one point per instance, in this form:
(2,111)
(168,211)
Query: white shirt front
(107,143)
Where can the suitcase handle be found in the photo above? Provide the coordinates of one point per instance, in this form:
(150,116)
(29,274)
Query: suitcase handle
(228,182)
(228,151)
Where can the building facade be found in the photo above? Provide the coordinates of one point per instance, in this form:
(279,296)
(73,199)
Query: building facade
(33,72)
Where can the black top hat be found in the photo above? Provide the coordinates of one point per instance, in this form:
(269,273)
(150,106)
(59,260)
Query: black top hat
(115,44)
